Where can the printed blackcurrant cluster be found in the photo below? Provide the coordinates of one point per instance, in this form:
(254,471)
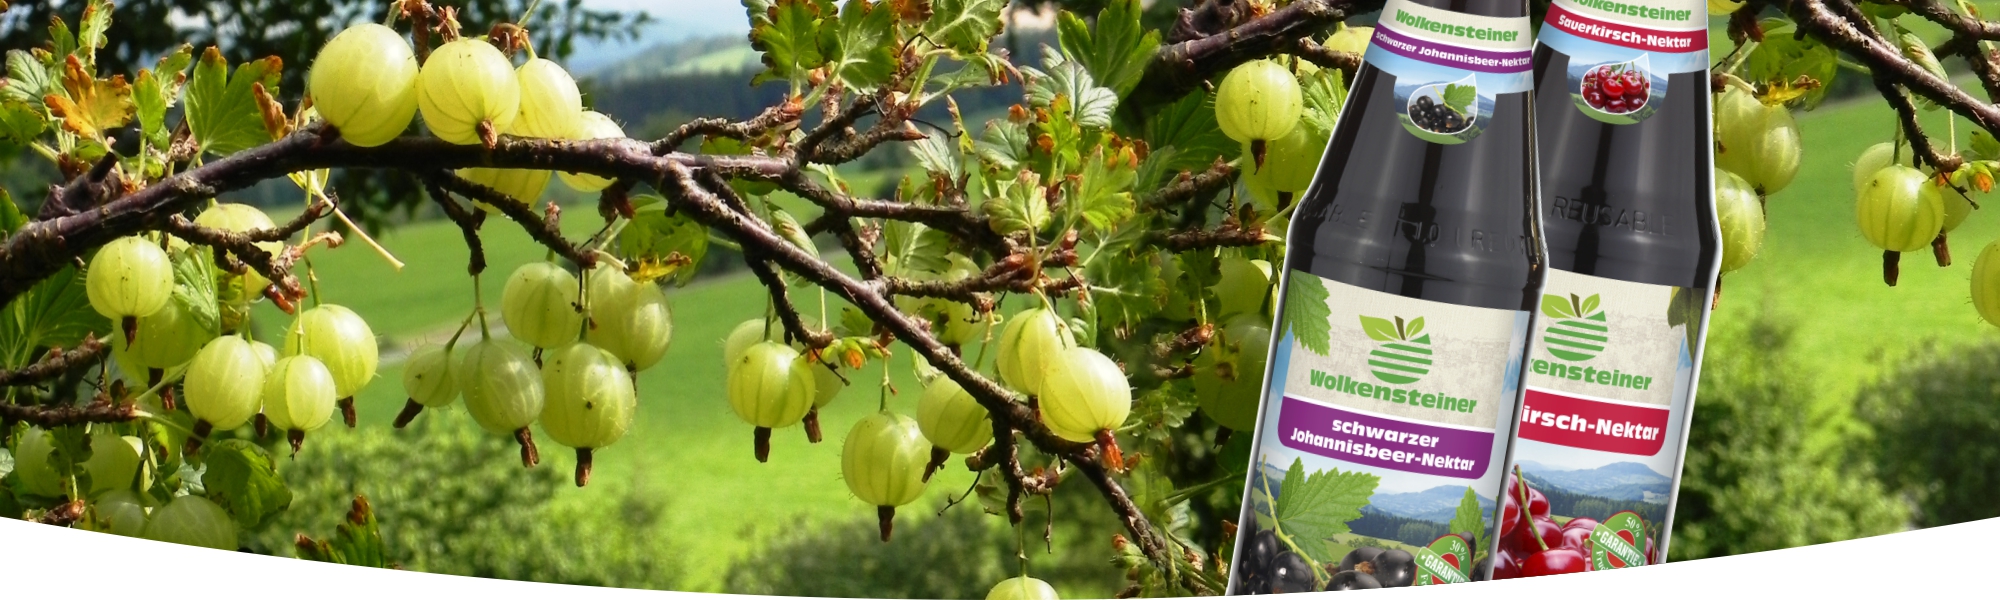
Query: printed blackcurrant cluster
(1268,567)
(1616,89)
(1532,544)
(1368,568)
(1432,115)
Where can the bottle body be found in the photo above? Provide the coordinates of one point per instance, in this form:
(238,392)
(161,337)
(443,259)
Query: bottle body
(1622,117)
(1412,268)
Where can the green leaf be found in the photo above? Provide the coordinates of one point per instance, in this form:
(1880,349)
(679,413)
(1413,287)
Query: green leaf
(1116,49)
(1380,329)
(358,540)
(55,313)
(1019,206)
(1782,58)
(222,109)
(1416,327)
(788,227)
(1188,127)
(1470,519)
(935,155)
(964,26)
(1306,312)
(860,48)
(657,235)
(90,35)
(787,32)
(27,79)
(1127,288)
(1313,508)
(1589,306)
(915,247)
(61,41)
(71,449)
(151,102)
(242,479)
(194,287)
(1325,93)
(1090,104)
(1004,147)
(11,217)
(1460,98)
(1557,307)
(1104,195)
(20,122)
(172,71)
(1984,146)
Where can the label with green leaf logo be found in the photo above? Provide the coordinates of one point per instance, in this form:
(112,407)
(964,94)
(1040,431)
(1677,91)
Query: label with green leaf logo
(1576,329)
(1611,372)
(1405,353)
(1447,559)
(1382,412)
(1617,543)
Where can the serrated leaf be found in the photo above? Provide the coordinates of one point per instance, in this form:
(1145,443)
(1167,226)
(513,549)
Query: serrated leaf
(20,122)
(1090,104)
(90,105)
(1460,98)
(1004,147)
(1324,94)
(1557,307)
(222,107)
(242,479)
(27,79)
(150,100)
(55,313)
(1312,508)
(915,247)
(1380,329)
(62,43)
(1116,49)
(172,71)
(1469,519)
(1306,312)
(1126,289)
(1188,127)
(194,288)
(964,26)
(1104,195)
(659,236)
(787,32)
(860,48)
(90,32)
(1019,207)
(934,155)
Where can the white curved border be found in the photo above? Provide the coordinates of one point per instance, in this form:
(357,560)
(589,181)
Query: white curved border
(71,563)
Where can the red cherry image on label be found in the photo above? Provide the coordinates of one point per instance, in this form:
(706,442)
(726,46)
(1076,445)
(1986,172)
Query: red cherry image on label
(1554,562)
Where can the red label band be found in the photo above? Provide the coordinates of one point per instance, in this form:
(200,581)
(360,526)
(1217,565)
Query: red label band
(1618,34)
(1593,425)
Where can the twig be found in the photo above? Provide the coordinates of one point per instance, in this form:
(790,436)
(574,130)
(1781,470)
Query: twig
(55,363)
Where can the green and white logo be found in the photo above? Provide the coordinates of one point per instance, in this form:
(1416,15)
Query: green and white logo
(1577,330)
(1404,356)
(1618,542)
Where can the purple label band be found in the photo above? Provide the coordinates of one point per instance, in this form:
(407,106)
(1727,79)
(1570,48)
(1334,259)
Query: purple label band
(1457,57)
(1383,442)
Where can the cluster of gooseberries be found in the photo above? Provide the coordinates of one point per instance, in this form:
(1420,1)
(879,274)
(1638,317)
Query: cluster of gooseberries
(1616,88)
(366,82)
(570,363)
(1756,155)
(1260,104)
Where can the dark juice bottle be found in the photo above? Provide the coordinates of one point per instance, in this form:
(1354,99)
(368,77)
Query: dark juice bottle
(1622,118)
(1413,268)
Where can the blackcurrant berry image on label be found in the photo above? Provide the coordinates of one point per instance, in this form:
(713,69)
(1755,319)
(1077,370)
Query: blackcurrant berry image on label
(1445,108)
(1449,68)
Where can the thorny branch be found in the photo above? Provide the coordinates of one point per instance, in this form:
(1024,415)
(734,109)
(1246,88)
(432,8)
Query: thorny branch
(55,363)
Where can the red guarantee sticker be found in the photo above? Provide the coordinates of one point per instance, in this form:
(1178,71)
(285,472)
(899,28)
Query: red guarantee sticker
(1593,424)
